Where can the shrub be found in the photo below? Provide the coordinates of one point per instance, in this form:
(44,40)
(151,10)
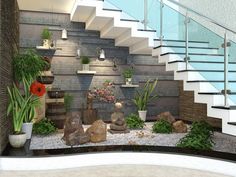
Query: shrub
(85,60)
(133,121)
(44,127)
(162,126)
(199,137)
(28,65)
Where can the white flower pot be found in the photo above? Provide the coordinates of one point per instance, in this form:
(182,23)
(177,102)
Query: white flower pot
(85,67)
(46,43)
(17,141)
(142,115)
(27,129)
(128,81)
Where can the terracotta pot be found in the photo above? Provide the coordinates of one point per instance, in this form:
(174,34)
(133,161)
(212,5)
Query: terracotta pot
(45,79)
(17,141)
(56,93)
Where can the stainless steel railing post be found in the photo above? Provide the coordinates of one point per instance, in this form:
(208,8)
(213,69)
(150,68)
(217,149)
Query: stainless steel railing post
(186,22)
(161,22)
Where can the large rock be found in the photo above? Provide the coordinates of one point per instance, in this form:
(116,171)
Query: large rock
(74,132)
(166,116)
(179,127)
(97,132)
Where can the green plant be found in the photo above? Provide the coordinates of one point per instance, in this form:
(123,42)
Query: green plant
(20,106)
(85,60)
(128,73)
(133,121)
(68,99)
(46,34)
(162,126)
(143,97)
(44,127)
(28,65)
(199,137)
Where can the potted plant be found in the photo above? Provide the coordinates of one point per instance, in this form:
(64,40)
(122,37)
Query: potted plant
(143,97)
(85,63)
(19,106)
(128,73)
(37,89)
(46,36)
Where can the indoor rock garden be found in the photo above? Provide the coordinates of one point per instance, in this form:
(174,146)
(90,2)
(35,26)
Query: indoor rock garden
(43,119)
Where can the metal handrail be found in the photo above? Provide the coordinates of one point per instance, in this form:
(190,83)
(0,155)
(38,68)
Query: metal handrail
(204,16)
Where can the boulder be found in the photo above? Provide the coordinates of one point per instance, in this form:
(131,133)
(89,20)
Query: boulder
(166,116)
(97,132)
(179,127)
(74,132)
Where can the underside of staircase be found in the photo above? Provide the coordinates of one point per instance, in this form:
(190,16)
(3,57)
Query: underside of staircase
(204,60)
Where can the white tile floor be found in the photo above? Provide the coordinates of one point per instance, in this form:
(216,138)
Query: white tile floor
(115,171)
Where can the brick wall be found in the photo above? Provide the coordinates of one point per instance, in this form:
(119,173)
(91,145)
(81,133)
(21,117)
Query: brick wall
(65,64)
(9,42)
(190,111)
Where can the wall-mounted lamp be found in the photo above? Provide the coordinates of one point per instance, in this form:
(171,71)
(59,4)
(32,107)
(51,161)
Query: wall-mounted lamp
(101,54)
(64,34)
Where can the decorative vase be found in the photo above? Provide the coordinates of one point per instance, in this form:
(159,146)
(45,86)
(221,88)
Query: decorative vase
(142,115)
(128,81)
(17,141)
(46,43)
(45,79)
(85,67)
(56,93)
(27,129)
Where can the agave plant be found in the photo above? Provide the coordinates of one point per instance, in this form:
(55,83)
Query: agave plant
(143,97)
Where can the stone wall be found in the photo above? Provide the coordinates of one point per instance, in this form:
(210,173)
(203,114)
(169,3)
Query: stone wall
(65,64)
(190,111)
(9,42)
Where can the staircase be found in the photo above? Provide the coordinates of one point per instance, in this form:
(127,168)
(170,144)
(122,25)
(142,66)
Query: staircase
(203,73)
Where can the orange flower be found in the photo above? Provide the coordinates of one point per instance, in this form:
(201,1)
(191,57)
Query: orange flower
(38,89)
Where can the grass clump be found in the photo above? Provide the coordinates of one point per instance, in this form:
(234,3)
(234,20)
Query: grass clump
(133,121)
(44,127)
(162,126)
(199,137)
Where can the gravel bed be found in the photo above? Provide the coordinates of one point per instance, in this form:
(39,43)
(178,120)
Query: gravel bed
(224,143)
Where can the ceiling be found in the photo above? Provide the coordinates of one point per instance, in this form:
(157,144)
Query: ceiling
(60,6)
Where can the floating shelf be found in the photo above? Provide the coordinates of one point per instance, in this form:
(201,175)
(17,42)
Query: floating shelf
(129,86)
(44,48)
(86,72)
(55,100)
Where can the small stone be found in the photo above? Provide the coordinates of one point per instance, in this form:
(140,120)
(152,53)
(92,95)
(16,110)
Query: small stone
(180,127)
(166,116)
(132,142)
(74,132)
(97,132)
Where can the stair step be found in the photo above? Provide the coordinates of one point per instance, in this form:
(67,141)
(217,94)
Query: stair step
(211,62)
(232,123)
(147,30)
(215,93)
(129,20)
(197,54)
(117,10)
(181,49)
(183,41)
(223,107)
(199,70)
